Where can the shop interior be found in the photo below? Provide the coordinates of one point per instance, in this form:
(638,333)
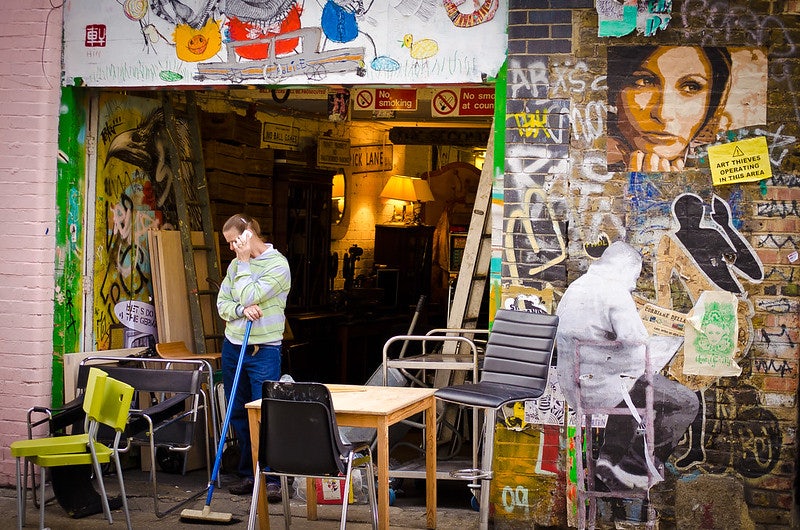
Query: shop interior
(362,249)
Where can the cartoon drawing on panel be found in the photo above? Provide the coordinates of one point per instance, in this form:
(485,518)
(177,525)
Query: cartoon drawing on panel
(339,23)
(461,17)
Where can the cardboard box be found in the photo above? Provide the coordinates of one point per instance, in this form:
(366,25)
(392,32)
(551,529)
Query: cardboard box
(329,490)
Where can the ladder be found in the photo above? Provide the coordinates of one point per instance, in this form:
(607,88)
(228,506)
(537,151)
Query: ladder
(193,207)
(470,284)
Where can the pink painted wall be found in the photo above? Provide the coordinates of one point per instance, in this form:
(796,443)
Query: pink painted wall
(30,71)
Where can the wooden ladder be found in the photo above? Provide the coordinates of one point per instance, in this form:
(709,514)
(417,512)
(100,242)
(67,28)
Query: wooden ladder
(193,207)
(471,282)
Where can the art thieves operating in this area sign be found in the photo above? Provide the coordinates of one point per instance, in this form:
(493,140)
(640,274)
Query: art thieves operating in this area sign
(742,161)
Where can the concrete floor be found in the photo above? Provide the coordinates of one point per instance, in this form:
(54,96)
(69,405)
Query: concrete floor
(408,510)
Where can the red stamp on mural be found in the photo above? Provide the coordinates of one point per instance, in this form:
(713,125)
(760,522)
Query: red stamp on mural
(95,36)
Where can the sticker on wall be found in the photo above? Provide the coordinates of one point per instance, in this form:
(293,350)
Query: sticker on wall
(618,18)
(742,161)
(711,336)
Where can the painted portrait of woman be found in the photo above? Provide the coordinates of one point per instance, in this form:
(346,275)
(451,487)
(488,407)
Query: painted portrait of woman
(668,99)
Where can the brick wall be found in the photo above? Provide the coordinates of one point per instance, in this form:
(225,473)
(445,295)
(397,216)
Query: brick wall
(562,204)
(29,92)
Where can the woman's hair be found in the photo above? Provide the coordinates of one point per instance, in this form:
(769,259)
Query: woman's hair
(242,222)
(624,60)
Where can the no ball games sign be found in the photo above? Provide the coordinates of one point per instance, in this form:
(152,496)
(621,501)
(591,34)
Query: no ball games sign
(742,161)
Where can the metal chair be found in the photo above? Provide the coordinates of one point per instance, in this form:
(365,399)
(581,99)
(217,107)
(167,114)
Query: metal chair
(515,368)
(169,407)
(299,436)
(107,402)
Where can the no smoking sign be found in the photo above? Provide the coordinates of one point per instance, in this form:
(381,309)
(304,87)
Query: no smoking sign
(477,101)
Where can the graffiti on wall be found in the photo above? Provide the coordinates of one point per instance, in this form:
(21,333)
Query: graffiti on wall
(133,194)
(70,201)
(671,99)
(164,42)
(732,431)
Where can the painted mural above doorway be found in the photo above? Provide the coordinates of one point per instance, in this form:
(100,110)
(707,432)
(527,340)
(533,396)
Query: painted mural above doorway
(169,42)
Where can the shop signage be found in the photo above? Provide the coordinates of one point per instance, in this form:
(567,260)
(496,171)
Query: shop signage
(333,153)
(399,99)
(465,101)
(366,158)
(278,134)
(459,136)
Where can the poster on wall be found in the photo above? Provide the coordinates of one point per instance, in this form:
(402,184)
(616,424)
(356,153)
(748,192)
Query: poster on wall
(132,197)
(164,42)
(670,100)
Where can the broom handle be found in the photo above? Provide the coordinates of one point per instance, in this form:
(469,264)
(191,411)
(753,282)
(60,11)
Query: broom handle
(228,412)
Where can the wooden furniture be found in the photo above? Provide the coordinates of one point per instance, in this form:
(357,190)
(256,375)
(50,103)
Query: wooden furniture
(407,248)
(303,231)
(375,407)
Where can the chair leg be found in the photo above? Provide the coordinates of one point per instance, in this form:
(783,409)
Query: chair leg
(100,484)
(373,497)
(41,504)
(21,494)
(122,491)
(346,491)
(287,509)
(251,519)
(486,466)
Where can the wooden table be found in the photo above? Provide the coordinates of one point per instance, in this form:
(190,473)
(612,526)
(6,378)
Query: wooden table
(377,407)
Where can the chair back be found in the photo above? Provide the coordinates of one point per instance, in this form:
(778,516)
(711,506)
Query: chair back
(298,433)
(519,349)
(107,400)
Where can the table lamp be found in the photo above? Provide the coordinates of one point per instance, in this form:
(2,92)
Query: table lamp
(409,190)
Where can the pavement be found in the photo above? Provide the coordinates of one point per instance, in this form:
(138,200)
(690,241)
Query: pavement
(407,511)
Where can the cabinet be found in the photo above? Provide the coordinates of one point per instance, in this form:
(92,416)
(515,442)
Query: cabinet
(303,232)
(408,249)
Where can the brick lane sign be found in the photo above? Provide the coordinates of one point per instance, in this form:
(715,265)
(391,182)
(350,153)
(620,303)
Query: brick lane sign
(742,161)
(464,101)
(399,99)
(366,158)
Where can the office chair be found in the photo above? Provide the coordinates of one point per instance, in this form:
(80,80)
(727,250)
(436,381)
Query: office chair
(107,402)
(299,436)
(515,368)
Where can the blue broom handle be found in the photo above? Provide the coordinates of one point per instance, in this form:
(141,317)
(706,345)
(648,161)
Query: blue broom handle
(228,412)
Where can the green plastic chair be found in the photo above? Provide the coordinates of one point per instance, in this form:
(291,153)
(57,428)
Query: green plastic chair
(107,401)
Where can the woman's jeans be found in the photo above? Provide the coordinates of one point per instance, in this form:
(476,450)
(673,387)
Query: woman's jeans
(261,363)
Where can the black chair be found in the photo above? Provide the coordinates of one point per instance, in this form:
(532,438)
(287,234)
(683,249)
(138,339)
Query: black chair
(515,368)
(299,436)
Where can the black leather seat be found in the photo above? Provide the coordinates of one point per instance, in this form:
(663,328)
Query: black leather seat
(515,368)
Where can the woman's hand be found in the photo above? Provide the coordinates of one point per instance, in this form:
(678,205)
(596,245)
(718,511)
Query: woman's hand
(252,312)
(241,245)
(651,162)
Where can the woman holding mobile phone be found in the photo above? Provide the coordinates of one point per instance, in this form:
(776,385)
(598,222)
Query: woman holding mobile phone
(255,288)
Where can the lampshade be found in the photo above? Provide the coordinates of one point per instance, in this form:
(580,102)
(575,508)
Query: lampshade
(410,189)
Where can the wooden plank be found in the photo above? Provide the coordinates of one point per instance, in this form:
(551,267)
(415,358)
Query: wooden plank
(169,287)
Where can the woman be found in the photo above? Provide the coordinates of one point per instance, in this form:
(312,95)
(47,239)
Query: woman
(667,99)
(255,288)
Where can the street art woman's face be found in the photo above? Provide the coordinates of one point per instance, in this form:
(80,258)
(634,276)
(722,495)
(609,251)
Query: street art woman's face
(664,105)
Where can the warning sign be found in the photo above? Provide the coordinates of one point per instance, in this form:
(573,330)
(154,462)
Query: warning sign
(742,161)
(386,99)
(466,101)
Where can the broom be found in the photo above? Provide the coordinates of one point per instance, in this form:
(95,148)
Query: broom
(206,514)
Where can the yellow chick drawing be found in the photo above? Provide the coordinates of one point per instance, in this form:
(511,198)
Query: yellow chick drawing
(421,49)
